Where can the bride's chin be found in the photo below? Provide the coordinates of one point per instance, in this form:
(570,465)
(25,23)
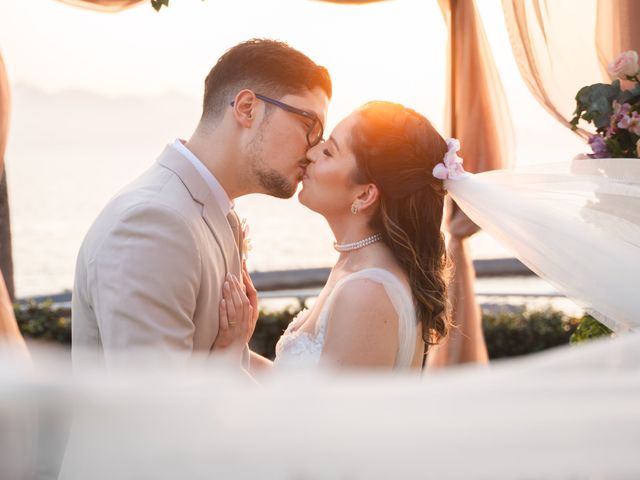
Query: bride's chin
(304,196)
(301,196)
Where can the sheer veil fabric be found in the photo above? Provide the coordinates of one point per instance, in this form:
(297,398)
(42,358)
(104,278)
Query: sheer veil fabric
(569,413)
(575,224)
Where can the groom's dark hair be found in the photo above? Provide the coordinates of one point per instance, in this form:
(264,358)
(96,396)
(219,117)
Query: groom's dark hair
(268,67)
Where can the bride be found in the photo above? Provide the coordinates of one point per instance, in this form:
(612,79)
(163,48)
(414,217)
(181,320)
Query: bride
(385,302)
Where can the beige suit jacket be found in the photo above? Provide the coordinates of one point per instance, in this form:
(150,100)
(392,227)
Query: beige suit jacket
(150,271)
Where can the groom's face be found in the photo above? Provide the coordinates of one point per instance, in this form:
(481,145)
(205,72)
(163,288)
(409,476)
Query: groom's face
(279,148)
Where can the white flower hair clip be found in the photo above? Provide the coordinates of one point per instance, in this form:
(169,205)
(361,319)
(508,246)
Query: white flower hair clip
(451,166)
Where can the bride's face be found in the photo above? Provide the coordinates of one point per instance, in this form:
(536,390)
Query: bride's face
(327,186)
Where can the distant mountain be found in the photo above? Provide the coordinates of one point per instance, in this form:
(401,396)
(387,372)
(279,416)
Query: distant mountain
(41,119)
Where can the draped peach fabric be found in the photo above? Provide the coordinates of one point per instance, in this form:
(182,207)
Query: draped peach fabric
(9,331)
(352,2)
(554,46)
(4,112)
(109,6)
(478,116)
(616,29)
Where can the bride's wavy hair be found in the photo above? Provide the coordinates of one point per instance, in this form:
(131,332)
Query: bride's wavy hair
(396,149)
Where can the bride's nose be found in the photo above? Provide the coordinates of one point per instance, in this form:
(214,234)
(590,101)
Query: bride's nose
(312,153)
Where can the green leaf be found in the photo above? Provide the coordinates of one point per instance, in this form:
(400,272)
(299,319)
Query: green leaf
(588,329)
(613,145)
(158,4)
(595,101)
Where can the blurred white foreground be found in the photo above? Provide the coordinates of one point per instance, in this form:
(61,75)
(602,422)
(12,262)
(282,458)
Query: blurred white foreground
(573,413)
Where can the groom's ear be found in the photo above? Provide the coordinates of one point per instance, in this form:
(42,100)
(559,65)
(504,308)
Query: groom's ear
(368,196)
(244,108)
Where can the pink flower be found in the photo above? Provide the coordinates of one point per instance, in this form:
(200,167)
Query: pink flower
(451,166)
(619,112)
(625,65)
(610,132)
(599,147)
(631,123)
(620,109)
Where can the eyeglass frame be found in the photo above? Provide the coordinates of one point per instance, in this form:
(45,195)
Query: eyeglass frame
(310,115)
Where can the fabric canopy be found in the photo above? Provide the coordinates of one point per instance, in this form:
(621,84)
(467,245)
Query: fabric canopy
(475,97)
(4,112)
(109,6)
(624,14)
(8,327)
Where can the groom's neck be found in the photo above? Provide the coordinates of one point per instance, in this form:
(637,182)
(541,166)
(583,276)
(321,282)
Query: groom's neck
(219,155)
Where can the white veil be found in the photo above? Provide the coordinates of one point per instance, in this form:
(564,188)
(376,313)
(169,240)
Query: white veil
(568,413)
(575,224)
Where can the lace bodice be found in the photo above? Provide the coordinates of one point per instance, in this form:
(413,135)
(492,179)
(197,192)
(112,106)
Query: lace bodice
(300,349)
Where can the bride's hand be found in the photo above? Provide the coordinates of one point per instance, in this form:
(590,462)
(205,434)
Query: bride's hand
(251,292)
(235,317)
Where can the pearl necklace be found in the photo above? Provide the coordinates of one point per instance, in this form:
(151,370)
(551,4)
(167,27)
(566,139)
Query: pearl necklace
(347,247)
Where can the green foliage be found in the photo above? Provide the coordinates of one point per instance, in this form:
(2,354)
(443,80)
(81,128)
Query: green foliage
(588,329)
(158,4)
(44,322)
(594,103)
(507,333)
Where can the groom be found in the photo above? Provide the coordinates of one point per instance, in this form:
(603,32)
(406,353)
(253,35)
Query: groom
(150,272)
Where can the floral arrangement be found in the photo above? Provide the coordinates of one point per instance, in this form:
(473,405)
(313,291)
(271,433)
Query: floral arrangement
(614,109)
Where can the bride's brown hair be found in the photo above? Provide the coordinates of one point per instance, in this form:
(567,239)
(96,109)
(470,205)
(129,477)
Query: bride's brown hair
(396,149)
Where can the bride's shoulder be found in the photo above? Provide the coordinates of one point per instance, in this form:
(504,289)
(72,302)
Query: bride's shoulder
(361,324)
(362,295)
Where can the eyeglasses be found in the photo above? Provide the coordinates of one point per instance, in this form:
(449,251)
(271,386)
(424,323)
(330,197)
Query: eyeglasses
(315,130)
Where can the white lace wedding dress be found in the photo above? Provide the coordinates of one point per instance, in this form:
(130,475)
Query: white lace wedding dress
(300,349)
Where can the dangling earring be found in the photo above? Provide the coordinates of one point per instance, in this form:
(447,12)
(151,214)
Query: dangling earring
(354,209)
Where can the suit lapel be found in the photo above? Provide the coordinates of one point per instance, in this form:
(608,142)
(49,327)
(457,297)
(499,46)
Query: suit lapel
(211,212)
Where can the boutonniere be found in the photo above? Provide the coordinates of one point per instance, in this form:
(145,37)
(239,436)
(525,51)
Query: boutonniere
(246,240)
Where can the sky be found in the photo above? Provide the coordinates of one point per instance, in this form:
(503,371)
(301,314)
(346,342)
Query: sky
(392,50)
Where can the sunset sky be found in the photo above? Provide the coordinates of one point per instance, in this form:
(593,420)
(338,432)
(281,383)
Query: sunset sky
(391,50)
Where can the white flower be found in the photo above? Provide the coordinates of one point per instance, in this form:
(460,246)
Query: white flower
(451,166)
